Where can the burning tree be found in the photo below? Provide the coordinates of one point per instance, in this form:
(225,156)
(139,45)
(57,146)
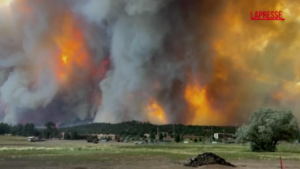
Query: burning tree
(267,127)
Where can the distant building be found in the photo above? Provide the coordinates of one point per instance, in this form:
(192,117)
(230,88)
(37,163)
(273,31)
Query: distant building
(226,137)
(189,138)
(147,135)
(113,137)
(168,138)
(158,133)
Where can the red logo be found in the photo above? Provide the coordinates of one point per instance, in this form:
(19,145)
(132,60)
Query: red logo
(266,15)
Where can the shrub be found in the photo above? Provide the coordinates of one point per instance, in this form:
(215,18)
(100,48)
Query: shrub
(267,127)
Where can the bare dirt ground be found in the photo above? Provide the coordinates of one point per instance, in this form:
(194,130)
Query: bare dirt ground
(147,164)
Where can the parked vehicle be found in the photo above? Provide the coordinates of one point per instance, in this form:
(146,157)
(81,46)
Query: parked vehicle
(104,140)
(92,139)
(32,139)
(140,142)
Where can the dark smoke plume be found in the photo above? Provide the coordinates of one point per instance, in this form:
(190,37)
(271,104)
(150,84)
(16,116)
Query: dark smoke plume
(164,61)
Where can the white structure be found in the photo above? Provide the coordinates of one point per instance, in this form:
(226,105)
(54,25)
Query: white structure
(32,139)
(224,136)
(216,135)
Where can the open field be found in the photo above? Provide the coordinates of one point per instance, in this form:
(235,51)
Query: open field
(16,152)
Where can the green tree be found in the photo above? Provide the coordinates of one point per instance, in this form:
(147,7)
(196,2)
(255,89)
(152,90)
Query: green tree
(13,130)
(74,135)
(19,129)
(45,134)
(267,127)
(195,140)
(52,130)
(203,140)
(25,130)
(67,136)
(4,128)
(177,138)
(50,125)
(161,136)
(28,129)
(200,139)
(36,132)
(152,136)
(181,138)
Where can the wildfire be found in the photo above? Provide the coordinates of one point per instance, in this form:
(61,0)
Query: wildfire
(255,64)
(199,105)
(64,58)
(73,54)
(238,65)
(155,112)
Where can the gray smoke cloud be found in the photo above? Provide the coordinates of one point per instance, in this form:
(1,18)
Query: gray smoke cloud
(164,61)
(27,65)
(131,32)
(137,32)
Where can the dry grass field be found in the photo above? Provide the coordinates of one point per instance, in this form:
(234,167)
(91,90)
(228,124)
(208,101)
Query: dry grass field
(17,153)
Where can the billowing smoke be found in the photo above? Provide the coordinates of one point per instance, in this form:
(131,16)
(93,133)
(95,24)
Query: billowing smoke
(164,61)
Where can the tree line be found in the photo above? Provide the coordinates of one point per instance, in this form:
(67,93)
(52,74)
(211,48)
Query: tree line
(129,128)
(27,129)
(265,129)
(136,128)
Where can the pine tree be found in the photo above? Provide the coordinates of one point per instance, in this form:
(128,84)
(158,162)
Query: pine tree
(161,136)
(177,138)
(74,135)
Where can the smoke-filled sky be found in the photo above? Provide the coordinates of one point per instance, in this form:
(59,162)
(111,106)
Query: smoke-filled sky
(164,61)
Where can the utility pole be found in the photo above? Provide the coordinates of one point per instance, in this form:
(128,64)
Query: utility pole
(235,133)
(157,133)
(173,131)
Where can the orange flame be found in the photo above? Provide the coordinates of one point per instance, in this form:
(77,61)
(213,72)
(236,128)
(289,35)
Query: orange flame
(64,58)
(73,54)
(199,105)
(156,113)
(247,72)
